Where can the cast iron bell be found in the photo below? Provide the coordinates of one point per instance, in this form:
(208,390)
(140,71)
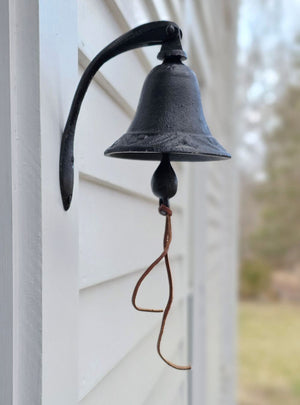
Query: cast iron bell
(169,120)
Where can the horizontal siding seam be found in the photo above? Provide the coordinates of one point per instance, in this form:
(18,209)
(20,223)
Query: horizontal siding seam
(176,304)
(124,25)
(177,257)
(113,186)
(179,379)
(106,86)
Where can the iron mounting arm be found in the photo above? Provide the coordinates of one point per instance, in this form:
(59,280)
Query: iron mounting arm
(164,33)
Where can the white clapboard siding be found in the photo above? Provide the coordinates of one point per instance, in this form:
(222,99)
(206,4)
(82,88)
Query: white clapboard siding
(97,28)
(130,380)
(177,383)
(119,329)
(213,336)
(138,12)
(121,243)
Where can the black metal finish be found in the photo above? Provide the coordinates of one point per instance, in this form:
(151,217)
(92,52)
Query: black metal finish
(164,181)
(160,32)
(169,120)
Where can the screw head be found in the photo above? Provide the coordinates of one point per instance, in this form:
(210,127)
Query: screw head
(171,30)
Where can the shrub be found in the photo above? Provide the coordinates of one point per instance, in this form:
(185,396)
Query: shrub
(254,279)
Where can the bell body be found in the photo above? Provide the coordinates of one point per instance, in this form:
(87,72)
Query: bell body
(169,120)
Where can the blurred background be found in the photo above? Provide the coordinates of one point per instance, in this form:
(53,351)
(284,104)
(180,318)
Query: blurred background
(269,167)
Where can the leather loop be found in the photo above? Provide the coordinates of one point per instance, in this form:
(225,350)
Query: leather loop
(167,241)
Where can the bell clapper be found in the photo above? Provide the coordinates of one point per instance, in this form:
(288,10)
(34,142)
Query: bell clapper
(164,186)
(164,181)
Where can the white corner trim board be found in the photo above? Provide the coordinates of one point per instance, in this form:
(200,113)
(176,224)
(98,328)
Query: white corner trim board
(20,206)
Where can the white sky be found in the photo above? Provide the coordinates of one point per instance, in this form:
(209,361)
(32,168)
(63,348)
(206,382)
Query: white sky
(281,16)
(270,25)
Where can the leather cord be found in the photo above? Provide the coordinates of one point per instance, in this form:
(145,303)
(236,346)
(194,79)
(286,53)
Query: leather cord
(164,210)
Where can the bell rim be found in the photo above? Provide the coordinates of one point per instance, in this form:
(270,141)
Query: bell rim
(180,146)
(173,156)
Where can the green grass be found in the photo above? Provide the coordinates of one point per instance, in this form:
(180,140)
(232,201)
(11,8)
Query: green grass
(269,354)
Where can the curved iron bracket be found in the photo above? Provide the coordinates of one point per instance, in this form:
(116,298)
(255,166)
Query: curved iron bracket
(165,33)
